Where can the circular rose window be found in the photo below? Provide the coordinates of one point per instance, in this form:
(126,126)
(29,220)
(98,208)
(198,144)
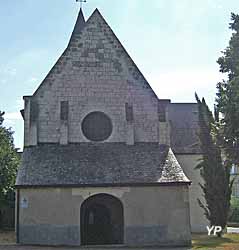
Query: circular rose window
(97,126)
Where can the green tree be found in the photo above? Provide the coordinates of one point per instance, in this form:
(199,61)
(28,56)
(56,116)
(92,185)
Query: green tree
(217,186)
(9,161)
(227,102)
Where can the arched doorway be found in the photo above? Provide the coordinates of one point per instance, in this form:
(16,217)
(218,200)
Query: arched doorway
(102,220)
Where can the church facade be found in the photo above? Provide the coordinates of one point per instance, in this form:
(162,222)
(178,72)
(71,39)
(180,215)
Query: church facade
(105,161)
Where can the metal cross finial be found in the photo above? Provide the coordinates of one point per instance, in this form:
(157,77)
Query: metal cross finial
(81,2)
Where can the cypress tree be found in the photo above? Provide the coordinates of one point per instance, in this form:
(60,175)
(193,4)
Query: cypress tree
(217,186)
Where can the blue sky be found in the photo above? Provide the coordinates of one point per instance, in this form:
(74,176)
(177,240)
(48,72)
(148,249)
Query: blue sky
(174,43)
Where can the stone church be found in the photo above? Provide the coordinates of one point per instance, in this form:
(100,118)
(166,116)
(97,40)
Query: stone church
(105,161)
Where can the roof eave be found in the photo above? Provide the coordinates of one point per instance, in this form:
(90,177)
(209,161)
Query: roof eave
(142,184)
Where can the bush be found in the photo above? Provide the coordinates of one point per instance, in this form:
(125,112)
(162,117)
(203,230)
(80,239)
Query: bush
(234,211)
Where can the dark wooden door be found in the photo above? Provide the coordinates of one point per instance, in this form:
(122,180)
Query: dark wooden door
(102,220)
(98,226)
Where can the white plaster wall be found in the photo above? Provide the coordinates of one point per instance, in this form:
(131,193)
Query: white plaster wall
(188,163)
(167,205)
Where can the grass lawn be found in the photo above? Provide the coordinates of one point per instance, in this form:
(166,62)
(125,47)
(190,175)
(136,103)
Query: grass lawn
(204,242)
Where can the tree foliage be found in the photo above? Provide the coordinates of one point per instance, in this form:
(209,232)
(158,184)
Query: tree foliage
(217,186)
(9,161)
(228,94)
(234,211)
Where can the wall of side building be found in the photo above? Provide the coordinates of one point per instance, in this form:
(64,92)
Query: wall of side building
(152,215)
(188,163)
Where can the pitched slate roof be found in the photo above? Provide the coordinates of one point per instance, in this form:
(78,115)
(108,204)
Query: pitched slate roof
(100,164)
(80,24)
(183,119)
(78,47)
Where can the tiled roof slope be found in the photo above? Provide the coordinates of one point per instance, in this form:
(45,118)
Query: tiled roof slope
(80,24)
(183,119)
(74,56)
(100,164)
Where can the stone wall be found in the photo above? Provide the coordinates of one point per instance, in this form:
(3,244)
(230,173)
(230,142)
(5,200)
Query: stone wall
(94,73)
(152,215)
